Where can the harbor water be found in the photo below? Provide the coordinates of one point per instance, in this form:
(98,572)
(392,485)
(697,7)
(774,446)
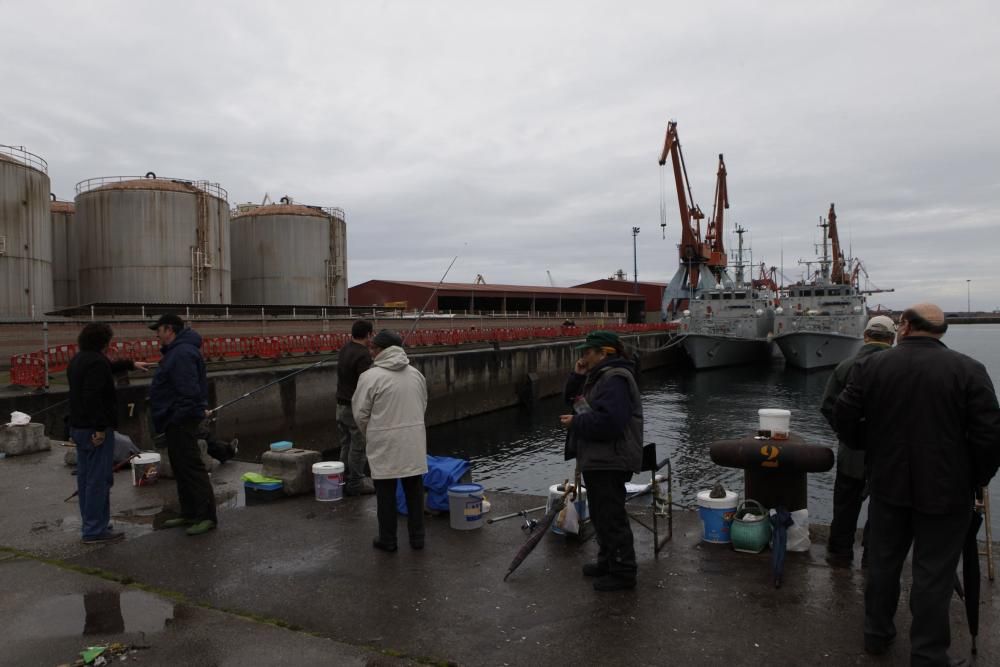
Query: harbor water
(684,412)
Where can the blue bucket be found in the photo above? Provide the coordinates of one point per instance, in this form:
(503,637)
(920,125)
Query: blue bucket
(717,516)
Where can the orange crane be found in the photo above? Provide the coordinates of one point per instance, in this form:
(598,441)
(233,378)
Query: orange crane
(717,259)
(838,273)
(691,248)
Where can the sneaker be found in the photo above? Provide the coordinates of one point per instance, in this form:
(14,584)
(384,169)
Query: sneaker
(177,522)
(595,569)
(106,536)
(364,488)
(610,582)
(384,546)
(201,527)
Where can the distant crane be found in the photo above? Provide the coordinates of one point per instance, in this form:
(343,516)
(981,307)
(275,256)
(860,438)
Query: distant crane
(552,283)
(479,280)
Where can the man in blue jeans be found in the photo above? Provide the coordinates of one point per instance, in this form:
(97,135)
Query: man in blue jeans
(93,417)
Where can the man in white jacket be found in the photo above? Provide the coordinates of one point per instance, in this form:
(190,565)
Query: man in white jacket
(389,406)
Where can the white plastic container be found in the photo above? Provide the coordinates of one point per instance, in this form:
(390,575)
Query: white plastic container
(775,421)
(717,516)
(328,479)
(465,506)
(145,469)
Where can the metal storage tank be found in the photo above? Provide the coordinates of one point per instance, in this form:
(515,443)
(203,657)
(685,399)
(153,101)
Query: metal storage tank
(65,264)
(152,240)
(289,254)
(25,235)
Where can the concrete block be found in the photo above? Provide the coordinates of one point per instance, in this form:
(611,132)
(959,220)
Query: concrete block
(27,439)
(293,467)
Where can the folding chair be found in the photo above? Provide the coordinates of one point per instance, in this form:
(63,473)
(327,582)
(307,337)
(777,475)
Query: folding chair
(662,505)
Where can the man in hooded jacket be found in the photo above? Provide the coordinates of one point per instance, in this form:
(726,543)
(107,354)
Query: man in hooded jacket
(179,401)
(605,437)
(389,405)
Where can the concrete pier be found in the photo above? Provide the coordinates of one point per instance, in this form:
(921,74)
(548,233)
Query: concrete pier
(298,582)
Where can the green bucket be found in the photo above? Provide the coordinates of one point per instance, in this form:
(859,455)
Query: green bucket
(751,529)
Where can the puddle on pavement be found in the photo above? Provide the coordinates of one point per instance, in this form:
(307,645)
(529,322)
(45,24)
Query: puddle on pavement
(95,613)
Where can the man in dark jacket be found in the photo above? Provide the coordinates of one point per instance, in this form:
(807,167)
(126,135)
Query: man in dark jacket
(849,487)
(929,421)
(179,398)
(604,435)
(353,360)
(93,418)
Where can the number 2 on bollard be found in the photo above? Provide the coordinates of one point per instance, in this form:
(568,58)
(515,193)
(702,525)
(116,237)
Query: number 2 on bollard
(771,452)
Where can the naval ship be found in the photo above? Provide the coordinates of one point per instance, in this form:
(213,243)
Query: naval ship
(723,320)
(820,322)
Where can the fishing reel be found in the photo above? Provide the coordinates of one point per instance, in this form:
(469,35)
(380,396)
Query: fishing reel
(529,524)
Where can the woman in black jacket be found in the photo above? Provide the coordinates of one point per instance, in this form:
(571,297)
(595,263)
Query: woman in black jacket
(605,437)
(93,417)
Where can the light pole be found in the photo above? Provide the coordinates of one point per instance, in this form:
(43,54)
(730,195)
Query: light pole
(968,297)
(635,259)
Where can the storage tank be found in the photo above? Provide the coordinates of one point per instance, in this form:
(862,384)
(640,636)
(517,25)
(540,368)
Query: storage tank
(289,254)
(25,235)
(152,240)
(65,264)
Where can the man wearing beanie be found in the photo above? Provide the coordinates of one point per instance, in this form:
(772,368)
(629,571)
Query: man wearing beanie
(849,488)
(389,405)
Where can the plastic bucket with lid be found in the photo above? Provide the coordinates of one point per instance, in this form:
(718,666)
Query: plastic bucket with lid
(328,479)
(465,506)
(145,469)
(716,516)
(775,421)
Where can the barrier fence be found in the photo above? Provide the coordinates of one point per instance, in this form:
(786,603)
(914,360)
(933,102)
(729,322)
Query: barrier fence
(28,370)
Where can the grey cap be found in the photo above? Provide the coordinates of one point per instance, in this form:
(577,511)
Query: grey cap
(387,338)
(881,323)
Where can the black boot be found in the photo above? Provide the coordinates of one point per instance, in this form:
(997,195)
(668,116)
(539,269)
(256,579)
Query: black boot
(595,569)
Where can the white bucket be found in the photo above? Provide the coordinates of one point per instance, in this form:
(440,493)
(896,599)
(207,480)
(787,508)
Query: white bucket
(465,506)
(775,421)
(328,478)
(145,469)
(716,516)
(556,492)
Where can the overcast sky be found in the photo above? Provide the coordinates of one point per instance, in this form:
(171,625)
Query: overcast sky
(523,137)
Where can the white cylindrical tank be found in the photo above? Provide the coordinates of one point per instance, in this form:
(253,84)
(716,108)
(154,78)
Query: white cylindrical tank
(25,235)
(65,264)
(289,254)
(152,240)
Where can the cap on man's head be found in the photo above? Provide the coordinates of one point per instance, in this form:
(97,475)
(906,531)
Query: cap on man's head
(600,339)
(170,320)
(386,338)
(881,323)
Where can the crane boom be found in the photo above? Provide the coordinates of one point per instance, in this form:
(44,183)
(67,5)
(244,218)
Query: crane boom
(691,248)
(837,269)
(714,236)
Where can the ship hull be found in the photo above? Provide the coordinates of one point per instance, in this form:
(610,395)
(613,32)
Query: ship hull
(813,349)
(714,351)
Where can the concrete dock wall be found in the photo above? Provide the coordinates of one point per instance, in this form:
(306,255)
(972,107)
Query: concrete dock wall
(461,383)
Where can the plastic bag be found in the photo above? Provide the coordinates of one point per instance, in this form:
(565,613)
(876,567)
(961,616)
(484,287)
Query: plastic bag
(798,532)
(569,519)
(19,419)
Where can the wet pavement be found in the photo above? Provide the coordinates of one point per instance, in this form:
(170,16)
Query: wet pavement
(297,581)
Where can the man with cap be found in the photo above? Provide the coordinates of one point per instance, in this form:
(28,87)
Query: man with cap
(389,405)
(604,435)
(353,360)
(850,484)
(179,401)
(929,422)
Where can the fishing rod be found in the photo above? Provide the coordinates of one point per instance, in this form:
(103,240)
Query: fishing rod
(436,288)
(211,413)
